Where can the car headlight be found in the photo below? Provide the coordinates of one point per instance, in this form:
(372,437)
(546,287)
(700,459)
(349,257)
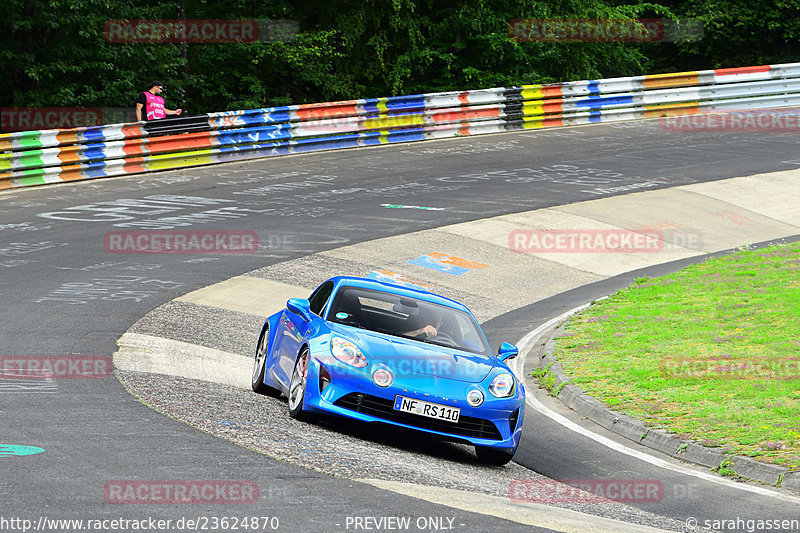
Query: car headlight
(347,352)
(502,385)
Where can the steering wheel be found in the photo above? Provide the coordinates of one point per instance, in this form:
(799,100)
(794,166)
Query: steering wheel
(444,338)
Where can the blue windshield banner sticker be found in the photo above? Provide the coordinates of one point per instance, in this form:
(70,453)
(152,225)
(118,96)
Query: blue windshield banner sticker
(13,449)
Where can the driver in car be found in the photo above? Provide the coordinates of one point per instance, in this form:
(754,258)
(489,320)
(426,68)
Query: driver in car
(433,322)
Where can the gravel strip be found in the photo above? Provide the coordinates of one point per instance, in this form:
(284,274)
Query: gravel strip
(339,448)
(221,329)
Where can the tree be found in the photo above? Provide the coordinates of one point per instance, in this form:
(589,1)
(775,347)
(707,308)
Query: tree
(57,54)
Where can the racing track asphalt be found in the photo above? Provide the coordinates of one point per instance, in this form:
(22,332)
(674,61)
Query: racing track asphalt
(198,336)
(63,294)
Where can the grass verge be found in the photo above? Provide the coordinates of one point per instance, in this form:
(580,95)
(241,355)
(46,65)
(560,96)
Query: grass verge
(711,353)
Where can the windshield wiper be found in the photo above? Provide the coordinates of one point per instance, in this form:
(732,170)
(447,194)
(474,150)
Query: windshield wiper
(351,324)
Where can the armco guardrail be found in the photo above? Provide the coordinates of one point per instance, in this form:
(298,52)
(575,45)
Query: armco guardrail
(39,157)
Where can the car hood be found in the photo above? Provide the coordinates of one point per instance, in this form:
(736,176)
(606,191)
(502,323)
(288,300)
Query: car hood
(408,358)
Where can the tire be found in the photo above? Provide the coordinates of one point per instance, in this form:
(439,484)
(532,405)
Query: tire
(260,366)
(492,456)
(297,386)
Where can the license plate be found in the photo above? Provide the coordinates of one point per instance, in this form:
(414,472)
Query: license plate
(423,408)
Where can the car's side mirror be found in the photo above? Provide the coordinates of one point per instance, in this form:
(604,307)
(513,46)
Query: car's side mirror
(507,351)
(299,306)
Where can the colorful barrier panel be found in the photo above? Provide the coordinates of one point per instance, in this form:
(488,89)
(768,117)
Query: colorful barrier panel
(52,156)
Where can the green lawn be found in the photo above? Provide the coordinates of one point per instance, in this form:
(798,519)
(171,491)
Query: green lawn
(711,353)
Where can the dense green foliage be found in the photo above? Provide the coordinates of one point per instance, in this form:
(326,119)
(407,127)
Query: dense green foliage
(54,51)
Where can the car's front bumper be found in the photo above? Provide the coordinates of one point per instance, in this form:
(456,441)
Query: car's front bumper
(333,387)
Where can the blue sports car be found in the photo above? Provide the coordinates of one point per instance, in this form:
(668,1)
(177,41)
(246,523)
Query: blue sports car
(378,352)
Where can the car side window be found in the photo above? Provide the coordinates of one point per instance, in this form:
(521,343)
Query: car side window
(319,297)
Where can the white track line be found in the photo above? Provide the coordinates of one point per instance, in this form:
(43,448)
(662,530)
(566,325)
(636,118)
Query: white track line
(526,343)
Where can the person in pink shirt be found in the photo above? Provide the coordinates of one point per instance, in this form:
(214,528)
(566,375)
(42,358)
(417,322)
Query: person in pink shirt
(150,105)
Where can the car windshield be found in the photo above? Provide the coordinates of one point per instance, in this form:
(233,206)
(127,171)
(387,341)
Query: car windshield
(411,318)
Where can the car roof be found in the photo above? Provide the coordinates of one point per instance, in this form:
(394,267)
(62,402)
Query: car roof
(402,290)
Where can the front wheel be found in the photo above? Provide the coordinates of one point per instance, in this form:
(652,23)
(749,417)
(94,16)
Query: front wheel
(493,456)
(297,386)
(260,365)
